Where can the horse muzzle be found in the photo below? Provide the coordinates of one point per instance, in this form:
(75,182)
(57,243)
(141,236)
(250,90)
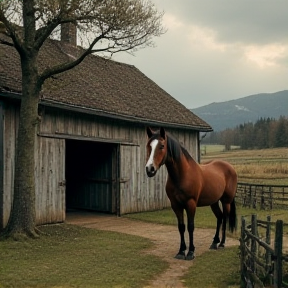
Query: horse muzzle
(150,171)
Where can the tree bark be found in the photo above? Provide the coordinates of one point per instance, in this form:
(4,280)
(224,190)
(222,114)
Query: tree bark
(22,216)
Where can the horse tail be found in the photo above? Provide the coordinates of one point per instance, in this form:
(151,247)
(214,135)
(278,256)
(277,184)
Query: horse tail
(232,217)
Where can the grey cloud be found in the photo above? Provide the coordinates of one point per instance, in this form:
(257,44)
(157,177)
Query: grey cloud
(246,21)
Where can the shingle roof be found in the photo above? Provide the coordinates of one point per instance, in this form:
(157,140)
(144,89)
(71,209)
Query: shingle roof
(100,85)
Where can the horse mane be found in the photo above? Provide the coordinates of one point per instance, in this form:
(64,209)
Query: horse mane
(175,148)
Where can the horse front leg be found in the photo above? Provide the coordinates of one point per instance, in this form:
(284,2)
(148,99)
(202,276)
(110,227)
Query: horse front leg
(190,211)
(181,228)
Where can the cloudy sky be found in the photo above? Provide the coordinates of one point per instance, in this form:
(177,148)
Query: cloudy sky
(215,51)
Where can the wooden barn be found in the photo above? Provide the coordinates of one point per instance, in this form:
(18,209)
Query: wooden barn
(91,140)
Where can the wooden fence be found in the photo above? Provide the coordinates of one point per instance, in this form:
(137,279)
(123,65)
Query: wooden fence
(263,263)
(260,196)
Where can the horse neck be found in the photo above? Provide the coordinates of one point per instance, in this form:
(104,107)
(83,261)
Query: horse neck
(176,169)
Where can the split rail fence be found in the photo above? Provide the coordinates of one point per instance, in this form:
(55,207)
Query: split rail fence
(263,262)
(264,197)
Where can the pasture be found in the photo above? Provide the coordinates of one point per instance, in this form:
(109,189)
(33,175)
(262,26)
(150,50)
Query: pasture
(263,166)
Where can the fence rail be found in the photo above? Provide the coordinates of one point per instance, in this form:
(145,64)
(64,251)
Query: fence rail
(265,197)
(262,257)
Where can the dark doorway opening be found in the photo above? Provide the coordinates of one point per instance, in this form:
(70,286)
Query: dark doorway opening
(91,176)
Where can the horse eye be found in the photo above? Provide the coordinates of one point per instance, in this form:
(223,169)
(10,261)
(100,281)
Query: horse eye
(161,147)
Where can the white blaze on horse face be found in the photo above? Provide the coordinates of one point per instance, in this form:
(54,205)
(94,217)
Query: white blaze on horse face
(150,161)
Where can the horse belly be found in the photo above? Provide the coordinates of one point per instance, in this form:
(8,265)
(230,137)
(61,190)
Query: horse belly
(207,201)
(209,197)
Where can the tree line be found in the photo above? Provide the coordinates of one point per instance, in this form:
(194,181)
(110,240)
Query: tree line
(264,133)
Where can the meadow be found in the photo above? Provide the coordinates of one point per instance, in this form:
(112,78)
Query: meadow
(263,166)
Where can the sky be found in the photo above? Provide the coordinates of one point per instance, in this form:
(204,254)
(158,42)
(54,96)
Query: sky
(215,51)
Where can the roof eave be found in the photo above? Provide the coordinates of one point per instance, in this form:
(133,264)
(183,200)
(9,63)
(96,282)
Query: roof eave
(97,112)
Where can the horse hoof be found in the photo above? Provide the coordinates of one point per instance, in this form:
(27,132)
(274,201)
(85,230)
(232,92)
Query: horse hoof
(180,256)
(214,246)
(221,245)
(190,255)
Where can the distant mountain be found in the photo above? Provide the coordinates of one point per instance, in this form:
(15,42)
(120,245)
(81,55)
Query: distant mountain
(231,113)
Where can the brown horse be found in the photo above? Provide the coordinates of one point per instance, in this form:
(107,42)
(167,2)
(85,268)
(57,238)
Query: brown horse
(190,184)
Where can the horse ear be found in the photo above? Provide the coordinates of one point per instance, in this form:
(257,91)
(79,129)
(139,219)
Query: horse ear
(149,132)
(162,133)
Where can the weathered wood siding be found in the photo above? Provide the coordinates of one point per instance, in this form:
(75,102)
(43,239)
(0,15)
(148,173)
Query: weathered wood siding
(135,193)
(49,172)
(50,180)
(9,142)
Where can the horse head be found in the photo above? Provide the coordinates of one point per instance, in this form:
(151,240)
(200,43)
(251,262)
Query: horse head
(156,150)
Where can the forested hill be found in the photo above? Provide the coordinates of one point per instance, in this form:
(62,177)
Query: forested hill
(231,113)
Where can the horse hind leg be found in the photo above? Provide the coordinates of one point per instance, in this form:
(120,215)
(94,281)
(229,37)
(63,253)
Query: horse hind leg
(226,213)
(219,215)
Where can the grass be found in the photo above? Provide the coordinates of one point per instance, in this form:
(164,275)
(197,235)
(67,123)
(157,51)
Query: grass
(215,148)
(205,218)
(215,269)
(263,166)
(72,256)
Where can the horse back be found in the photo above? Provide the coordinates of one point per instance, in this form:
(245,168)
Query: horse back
(219,175)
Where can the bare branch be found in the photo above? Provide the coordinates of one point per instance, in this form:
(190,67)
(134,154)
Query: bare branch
(9,29)
(67,66)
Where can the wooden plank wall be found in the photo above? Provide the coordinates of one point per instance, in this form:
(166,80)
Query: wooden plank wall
(50,180)
(11,118)
(49,172)
(137,194)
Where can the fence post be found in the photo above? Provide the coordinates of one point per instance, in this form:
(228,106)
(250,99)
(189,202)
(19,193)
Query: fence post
(268,253)
(278,254)
(242,250)
(262,201)
(250,195)
(253,242)
(271,198)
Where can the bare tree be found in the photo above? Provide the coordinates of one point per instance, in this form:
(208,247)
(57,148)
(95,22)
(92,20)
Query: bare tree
(109,26)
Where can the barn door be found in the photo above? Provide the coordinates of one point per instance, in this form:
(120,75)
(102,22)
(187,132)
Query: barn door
(129,178)
(50,180)
(90,175)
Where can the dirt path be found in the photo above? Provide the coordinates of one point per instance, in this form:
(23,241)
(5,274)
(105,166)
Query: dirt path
(165,238)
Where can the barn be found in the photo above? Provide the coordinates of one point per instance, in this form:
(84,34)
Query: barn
(91,139)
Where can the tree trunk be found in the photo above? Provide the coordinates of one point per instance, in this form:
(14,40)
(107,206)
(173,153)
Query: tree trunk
(22,217)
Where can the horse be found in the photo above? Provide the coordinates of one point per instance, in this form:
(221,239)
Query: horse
(190,185)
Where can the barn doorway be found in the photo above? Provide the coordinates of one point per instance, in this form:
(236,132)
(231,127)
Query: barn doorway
(91,176)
